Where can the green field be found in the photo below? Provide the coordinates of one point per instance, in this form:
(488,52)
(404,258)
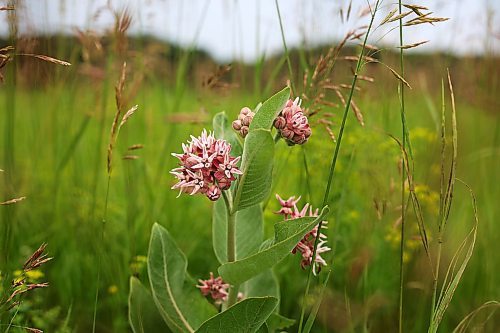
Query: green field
(54,131)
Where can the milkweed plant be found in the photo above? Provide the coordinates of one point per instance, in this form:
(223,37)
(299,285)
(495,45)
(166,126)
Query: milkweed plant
(232,166)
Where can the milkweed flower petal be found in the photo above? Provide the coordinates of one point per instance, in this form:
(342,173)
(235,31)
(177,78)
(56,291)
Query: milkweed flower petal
(214,287)
(305,246)
(292,123)
(205,166)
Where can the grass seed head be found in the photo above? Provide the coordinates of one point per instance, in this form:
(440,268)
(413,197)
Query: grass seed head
(12,201)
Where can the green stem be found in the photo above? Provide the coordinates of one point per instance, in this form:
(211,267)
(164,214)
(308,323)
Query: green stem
(441,210)
(435,284)
(286,49)
(403,173)
(9,147)
(99,256)
(277,137)
(231,244)
(334,158)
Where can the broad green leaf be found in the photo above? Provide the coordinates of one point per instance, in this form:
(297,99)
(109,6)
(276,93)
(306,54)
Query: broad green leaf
(317,304)
(249,231)
(264,117)
(223,130)
(243,317)
(142,312)
(177,299)
(287,235)
(263,329)
(254,184)
(264,284)
(278,322)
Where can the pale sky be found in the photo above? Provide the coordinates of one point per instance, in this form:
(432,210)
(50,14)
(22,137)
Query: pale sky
(244,29)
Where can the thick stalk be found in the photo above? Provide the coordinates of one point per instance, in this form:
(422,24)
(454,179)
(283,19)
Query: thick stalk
(231,244)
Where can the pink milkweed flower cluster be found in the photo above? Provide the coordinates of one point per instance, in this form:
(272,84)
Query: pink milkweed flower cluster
(215,287)
(292,123)
(241,125)
(206,166)
(305,246)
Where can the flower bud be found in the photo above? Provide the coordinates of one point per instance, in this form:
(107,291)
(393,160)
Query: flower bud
(292,123)
(244,131)
(237,125)
(241,125)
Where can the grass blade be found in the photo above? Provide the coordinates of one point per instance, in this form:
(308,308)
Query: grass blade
(464,324)
(314,311)
(451,281)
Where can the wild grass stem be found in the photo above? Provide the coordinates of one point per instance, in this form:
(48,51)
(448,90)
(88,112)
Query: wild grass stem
(290,71)
(99,257)
(9,160)
(335,156)
(441,205)
(403,172)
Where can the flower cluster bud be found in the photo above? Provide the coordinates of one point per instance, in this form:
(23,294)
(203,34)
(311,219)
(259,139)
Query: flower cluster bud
(242,124)
(215,287)
(306,245)
(206,166)
(292,123)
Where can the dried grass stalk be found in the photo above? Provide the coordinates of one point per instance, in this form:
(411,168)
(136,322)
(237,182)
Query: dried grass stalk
(37,259)
(119,88)
(389,16)
(136,146)
(400,16)
(117,124)
(399,77)
(214,80)
(409,46)
(6,49)
(12,201)
(366,78)
(45,58)
(416,9)
(357,113)
(130,157)
(128,115)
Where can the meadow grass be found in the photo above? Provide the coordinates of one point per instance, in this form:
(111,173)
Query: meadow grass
(59,152)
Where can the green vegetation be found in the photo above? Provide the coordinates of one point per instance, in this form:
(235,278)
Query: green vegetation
(55,132)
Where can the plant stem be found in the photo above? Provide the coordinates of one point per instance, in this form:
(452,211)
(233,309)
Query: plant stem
(99,255)
(9,147)
(442,201)
(286,48)
(403,173)
(231,244)
(435,284)
(334,158)
(277,137)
